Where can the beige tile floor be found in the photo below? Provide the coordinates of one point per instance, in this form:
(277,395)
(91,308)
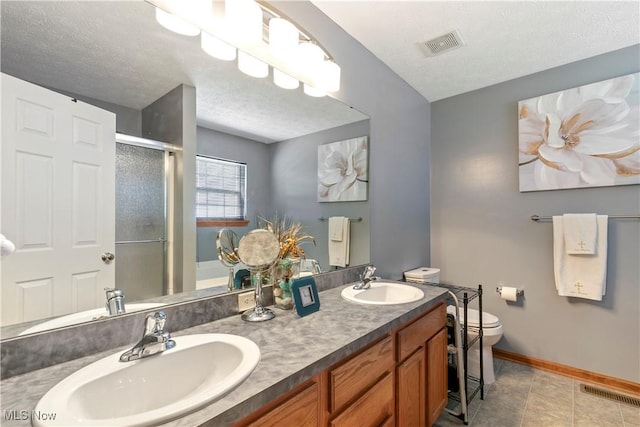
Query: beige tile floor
(526,397)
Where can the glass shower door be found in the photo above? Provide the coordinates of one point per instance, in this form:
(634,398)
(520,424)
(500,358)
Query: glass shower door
(141,206)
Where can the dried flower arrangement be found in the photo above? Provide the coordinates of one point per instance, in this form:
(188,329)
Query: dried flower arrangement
(288,232)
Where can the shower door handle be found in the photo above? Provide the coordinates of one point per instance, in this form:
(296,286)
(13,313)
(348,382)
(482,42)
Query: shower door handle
(107,257)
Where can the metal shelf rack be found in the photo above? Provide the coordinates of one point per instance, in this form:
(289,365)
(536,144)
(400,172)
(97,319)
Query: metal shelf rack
(468,387)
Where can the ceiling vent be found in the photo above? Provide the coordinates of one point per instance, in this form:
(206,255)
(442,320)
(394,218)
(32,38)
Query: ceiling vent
(443,43)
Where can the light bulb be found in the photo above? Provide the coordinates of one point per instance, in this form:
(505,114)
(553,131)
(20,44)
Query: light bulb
(175,24)
(330,76)
(310,56)
(252,66)
(284,81)
(283,37)
(310,59)
(244,20)
(312,91)
(217,48)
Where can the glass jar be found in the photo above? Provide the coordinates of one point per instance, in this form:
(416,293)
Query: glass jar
(284,272)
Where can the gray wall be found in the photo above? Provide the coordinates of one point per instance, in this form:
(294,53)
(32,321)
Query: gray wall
(399,144)
(256,155)
(294,177)
(482,232)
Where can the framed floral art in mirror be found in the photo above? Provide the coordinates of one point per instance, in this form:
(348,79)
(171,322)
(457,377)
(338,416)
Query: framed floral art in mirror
(343,173)
(587,136)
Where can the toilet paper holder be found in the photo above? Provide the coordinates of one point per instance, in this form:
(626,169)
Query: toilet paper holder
(519,292)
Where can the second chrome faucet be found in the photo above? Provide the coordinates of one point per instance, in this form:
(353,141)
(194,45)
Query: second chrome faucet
(366,278)
(154,339)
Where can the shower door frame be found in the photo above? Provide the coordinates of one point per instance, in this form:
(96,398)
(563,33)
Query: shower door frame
(170,151)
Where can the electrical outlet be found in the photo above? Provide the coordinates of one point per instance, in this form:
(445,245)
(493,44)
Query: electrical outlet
(246,301)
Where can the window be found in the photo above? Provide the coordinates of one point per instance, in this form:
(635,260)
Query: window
(220,191)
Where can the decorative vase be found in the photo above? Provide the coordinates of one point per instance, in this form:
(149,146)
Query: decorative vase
(282,276)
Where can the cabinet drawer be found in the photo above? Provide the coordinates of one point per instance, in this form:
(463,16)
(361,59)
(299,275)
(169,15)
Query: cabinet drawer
(301,410)
(417,333)
(374,408)
(356,375)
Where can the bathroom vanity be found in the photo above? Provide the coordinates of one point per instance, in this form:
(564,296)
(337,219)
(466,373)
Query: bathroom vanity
(382,365)
(398,380)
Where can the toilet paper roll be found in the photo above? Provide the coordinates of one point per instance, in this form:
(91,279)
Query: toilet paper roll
(509,294)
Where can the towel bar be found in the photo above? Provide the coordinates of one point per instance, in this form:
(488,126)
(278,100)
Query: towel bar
(359,219)
(536,217)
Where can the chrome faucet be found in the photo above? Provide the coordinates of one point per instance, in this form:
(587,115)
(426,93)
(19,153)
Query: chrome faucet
(154,339)
(115,301)
(366,278)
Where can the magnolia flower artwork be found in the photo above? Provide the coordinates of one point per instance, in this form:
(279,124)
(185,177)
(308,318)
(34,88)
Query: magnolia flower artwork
(343,170)
(582,137)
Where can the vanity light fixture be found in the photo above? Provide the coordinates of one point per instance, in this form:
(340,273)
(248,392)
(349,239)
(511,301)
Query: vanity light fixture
(294,56)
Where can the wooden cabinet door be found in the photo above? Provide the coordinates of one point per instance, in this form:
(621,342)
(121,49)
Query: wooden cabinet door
(375,408)
(358,373)
(411,393)
(437,388)
(300,409)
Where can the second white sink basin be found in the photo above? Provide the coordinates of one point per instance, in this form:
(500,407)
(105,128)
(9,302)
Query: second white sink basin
(383,293)
(152,390)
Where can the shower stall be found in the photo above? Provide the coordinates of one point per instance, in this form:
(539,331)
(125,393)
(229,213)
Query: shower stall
(144,207)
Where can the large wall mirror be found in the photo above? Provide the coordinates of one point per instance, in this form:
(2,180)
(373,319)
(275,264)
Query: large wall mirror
(115,55)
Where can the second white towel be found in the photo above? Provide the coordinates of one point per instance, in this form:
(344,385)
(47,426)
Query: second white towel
(581,276)
(580,234)
(339,245)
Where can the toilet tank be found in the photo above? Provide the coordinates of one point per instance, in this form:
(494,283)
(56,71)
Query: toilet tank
(423,275)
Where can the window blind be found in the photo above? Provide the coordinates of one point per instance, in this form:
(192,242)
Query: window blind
(220,189)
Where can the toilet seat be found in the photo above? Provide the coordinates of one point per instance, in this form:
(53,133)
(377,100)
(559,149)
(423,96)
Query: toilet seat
(488,320)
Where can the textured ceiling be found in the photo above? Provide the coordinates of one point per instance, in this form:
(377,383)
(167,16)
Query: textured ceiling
(115,51)
(503,39)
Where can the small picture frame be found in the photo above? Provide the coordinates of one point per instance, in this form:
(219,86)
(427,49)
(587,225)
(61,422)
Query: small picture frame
(305,296)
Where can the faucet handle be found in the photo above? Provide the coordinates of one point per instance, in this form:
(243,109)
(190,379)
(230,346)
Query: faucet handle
(368,272)
(113,292)
(154,323)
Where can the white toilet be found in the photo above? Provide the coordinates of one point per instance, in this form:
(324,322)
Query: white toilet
(491,334)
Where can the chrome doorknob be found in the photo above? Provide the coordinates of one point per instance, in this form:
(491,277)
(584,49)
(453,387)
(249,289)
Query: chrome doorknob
(107,257)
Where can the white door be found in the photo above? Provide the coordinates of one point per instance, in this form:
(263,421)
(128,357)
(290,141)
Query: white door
(57,193)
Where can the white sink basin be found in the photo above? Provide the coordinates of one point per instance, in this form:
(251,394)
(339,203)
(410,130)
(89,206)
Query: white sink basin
(153,390)
(84,316)
(383,293)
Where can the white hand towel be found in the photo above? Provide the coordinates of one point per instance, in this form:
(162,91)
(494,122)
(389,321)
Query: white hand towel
(580,276)
(339,249)
(347,236)
(580,233)
(336,230)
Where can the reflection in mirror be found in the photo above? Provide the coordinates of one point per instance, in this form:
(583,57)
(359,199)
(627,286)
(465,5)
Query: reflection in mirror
(122,61)
(227,244)
(258,249)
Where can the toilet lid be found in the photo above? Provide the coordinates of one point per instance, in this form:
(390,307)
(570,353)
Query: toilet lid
(488,319)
